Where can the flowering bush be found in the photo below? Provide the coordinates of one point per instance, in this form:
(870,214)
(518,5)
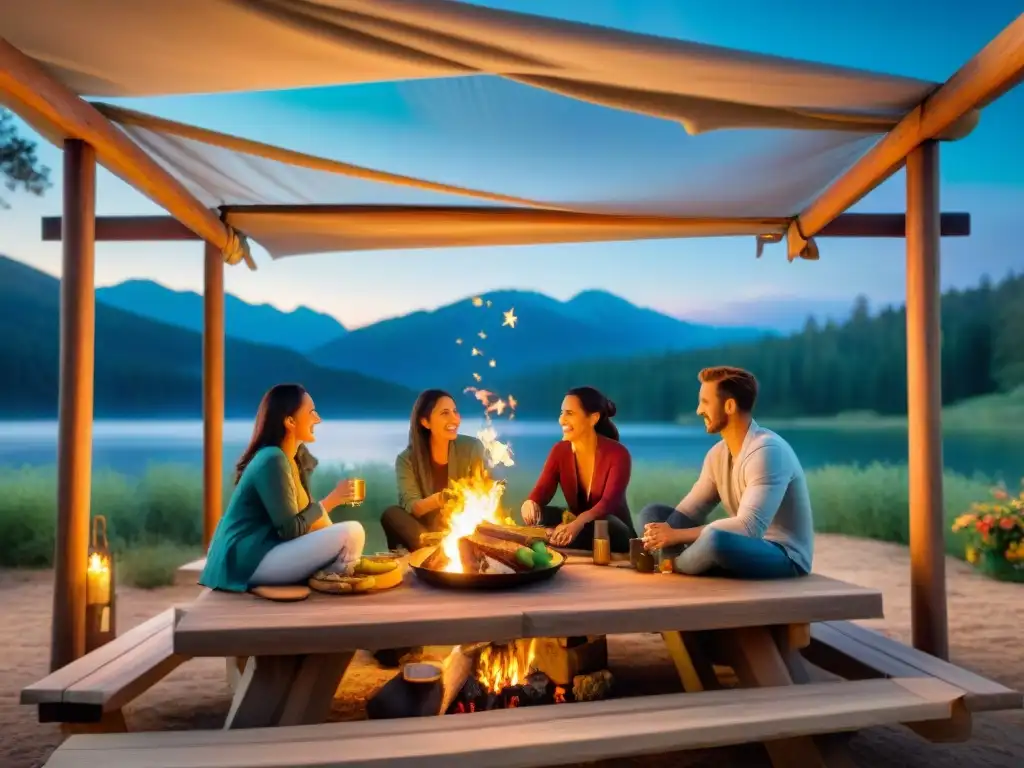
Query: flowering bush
(995,534)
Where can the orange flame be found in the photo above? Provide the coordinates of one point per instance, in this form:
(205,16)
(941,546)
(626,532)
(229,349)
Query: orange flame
(499,667)
(475,499)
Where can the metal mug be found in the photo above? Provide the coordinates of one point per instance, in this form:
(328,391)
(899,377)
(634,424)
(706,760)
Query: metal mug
(358,491)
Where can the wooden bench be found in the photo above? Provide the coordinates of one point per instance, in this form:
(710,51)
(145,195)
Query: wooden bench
(858,653)
(536,736)
(88,693)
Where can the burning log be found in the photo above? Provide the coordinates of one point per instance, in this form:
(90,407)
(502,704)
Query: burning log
(436,560)
(473,549)
(473,560)
(523,535)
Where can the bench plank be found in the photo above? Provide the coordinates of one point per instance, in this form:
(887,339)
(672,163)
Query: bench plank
(537,736)
(115,684)
(892,658)
(51,689)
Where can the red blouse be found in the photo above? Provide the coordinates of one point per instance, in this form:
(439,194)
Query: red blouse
(607,488)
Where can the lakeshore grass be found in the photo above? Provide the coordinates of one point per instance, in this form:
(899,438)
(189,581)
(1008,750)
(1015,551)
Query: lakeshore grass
(155,519)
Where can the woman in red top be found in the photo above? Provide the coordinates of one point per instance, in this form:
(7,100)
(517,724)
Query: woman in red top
(592,468)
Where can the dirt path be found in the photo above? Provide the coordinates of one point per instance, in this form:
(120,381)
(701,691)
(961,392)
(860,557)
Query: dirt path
(985,628)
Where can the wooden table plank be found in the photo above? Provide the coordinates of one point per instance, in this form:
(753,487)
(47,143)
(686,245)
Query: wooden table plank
(579,600)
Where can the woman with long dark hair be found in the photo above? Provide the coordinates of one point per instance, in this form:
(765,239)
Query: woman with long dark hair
(592,468)
(272,532)
(436,455)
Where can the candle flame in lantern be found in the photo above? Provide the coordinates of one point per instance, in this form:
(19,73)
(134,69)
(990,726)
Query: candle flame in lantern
(97,563)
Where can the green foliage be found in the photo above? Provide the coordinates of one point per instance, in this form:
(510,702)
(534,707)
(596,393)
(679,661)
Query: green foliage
(154,565)
(859,365)
(155,520)
(19,166)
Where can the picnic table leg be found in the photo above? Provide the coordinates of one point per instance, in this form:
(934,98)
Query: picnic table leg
(262,691)
(756,658)
(791,640)
(312,691)
(286,690)
(695,671)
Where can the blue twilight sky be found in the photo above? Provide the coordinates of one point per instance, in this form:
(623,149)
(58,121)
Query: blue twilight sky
(715,280)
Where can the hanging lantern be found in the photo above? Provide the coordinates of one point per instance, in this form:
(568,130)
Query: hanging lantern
(100,626)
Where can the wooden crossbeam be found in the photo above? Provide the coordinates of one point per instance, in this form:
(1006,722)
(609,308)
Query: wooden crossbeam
(998,67)
(58,113)
(167,228)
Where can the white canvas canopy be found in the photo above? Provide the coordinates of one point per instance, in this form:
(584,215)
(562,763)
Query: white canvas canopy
(682,138)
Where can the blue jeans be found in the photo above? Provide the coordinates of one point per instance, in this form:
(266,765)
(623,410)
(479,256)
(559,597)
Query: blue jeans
(722,553)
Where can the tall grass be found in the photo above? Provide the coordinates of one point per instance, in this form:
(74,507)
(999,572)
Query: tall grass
(155,519)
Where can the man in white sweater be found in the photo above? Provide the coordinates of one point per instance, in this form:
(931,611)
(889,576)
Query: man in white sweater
(756,476)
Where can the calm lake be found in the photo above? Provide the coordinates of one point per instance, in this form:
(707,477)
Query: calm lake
(128,446)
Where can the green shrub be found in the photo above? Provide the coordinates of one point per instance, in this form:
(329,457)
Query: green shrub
(152,565)
(157,516)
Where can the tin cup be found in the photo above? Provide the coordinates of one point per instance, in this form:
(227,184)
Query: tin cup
(358,491)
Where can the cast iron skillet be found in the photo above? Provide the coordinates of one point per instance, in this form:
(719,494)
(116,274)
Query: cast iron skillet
(480,580)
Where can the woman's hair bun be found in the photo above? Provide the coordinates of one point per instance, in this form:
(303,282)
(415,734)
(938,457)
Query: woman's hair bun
(610,410)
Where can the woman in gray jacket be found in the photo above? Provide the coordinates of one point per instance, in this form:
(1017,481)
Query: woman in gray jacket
(436,455)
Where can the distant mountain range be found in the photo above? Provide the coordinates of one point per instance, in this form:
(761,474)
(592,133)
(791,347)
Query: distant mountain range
(149,347)
(302,329)
(145,367)
(421,349)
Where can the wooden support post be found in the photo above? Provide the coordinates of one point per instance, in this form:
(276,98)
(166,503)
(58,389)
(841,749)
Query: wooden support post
(924,404)
(213,390)
(74,446)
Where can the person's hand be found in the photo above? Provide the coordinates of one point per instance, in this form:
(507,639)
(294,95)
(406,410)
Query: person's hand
(530,512)
(343,493)
(658,536)
(564,534)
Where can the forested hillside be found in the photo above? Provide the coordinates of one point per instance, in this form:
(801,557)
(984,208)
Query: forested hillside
(859,365)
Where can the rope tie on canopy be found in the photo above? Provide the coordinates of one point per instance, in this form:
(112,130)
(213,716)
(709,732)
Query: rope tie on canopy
(799,245)
(237,247)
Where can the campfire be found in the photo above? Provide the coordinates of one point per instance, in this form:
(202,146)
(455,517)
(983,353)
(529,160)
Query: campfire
(479,538)
(526,673)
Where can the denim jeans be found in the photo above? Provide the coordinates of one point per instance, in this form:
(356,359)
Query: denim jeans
(722,553)
(619,533)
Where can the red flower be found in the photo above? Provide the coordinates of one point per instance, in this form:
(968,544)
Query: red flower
(1007,523)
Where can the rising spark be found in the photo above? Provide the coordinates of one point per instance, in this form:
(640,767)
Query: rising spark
(510,318)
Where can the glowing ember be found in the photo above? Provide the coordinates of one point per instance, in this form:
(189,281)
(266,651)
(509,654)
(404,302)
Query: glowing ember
(477,499)
(502,666)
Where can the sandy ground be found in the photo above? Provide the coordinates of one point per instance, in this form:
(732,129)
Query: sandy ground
(986,620)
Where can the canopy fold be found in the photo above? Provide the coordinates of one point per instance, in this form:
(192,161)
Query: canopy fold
(213,46)
(287,231)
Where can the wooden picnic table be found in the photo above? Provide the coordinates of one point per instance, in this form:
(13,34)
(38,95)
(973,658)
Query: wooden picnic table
(298,652)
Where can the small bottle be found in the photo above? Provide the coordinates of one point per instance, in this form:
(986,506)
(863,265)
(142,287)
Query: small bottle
(666,563)
(602,545)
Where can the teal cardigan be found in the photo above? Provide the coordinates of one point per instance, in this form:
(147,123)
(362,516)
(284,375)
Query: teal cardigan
(261,514)
(464,452)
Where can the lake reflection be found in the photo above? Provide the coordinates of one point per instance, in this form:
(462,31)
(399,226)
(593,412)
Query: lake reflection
(128,446)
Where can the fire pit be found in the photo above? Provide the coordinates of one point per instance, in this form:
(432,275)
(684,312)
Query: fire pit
(480,548)
(504,567)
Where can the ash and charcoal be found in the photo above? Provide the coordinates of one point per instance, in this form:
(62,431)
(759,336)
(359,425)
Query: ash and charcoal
(537,690)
